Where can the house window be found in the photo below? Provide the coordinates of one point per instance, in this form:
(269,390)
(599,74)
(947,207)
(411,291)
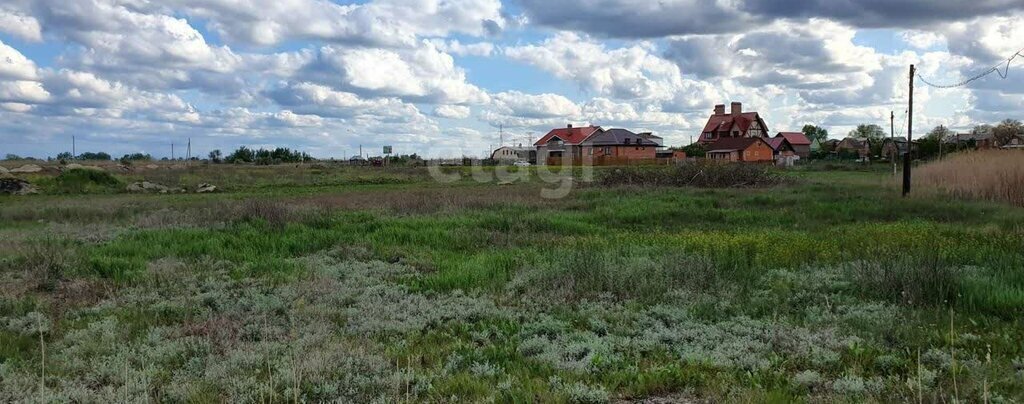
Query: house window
(709,135)
(607,150)
(735,133)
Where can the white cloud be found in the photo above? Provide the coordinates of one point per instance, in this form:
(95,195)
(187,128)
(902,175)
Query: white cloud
(452,111)
(458,48)
(20,25)
(14,65)
(922,39)
(420,74)
(626,73)
(535,106)
(379,23)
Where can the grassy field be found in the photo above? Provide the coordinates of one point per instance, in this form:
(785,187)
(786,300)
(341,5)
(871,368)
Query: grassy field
(381,285)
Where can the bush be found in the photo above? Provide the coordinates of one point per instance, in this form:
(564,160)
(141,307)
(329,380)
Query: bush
(78,180)
(136,157)
(704,174)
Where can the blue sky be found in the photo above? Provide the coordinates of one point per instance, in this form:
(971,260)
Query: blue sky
(439,77)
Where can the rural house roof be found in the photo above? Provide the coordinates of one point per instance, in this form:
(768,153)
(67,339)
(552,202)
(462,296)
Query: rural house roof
(963,137)
(795,138)
(569,135)
(729,144)
(726,122)
(619,137)
(853,143)
(779,142)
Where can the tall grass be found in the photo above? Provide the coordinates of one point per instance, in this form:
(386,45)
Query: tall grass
(703,174)
(993,175)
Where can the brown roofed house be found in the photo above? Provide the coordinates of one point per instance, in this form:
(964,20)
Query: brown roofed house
(800,143)
(735,123)
(746,149)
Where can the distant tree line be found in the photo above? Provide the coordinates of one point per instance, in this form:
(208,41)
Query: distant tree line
(260,156)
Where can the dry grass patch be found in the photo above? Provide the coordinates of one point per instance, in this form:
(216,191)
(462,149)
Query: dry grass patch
(993,175)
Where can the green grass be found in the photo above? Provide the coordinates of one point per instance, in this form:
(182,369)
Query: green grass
(825,252)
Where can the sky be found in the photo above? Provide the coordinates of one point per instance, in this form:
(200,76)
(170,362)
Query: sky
(456,77)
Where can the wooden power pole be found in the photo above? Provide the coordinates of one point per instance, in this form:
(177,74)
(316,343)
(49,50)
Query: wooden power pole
(910,134)
(892,138)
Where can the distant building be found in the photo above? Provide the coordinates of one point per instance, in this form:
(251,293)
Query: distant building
(852,146)
(815,146)
(800,143)
(734,124)
(649,136)
(620,143)
(781,147)
(563,142)
(894,148)
(1016,142)
(512,154)
(978,141)
(745,149)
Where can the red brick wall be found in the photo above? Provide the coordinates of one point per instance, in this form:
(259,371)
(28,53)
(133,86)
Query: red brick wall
(758,152)
(634,152)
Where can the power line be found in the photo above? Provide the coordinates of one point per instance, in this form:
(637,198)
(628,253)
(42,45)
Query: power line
(995,69)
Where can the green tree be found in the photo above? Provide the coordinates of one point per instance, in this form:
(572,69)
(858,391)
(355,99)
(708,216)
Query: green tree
(695,150)
(241,155)
(94,156)
(931,145)
(216,156)
(65,156)
(870,132)
(136,157)
(1006,130)
(12,157)
(815,133)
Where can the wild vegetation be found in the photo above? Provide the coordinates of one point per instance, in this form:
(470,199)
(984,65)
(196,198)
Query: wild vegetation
(994,175)
(380,285)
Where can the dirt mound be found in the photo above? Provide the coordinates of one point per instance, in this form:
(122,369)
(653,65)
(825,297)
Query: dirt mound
(75,166)
(15,186)
(4,172)
(151,187)
(27,169)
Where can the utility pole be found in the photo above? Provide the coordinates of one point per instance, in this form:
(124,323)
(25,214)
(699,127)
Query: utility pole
(172,151)
(360,151)
(892,139)
(910,134)
(501,135)
(73,151)
(188,156)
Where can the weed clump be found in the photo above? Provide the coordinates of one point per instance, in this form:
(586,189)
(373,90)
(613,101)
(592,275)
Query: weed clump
(81,181)
(914,282)
(704,174)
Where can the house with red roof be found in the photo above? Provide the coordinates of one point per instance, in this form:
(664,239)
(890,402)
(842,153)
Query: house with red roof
(564,142)
(801,144)
(732,124)
(781,147)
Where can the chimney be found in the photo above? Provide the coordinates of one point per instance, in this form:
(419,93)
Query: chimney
(737,108)
(570,126)
(720,109)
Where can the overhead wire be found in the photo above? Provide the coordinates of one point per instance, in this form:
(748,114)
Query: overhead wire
(1004,73)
